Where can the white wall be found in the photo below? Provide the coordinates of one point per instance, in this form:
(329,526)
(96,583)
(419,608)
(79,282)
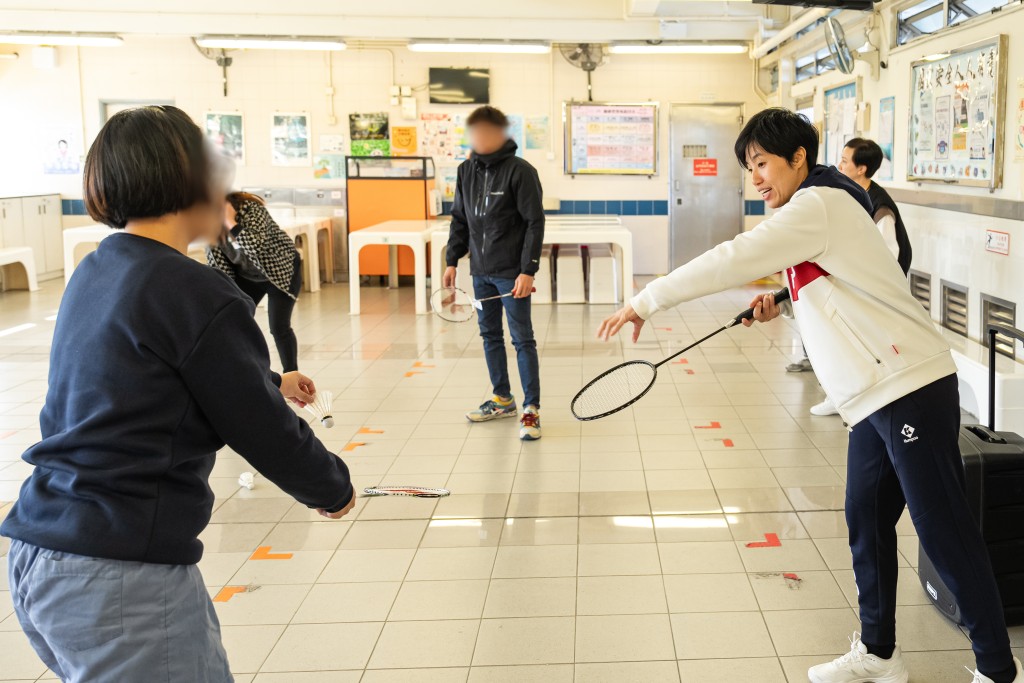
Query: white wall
(947,244)
(262,82)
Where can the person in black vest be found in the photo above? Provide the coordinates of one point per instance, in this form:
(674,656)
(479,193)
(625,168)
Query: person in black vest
(861,160)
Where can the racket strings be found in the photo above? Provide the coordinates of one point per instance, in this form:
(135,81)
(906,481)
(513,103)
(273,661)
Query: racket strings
(614,390)
(452,304)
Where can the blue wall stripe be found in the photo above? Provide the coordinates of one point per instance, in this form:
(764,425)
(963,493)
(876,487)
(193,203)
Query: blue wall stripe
(612,207)
(73,207)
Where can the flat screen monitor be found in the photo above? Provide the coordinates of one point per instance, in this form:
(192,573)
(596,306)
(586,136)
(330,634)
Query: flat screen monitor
(459,86)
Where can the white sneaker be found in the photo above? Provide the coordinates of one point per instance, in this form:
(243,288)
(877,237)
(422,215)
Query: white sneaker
(824,408)
(857,666)
(979,678)
(529,424)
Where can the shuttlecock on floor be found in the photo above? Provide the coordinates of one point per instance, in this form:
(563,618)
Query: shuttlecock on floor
(247,480)
(321,408)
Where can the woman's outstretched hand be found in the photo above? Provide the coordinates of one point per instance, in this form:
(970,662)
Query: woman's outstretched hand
(613,323)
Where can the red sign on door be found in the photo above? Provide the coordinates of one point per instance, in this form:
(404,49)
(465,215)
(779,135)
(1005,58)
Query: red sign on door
(705,167)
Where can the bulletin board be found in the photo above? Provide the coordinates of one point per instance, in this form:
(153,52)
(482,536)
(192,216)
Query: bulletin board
(956,116)
(610,139)
(840,120)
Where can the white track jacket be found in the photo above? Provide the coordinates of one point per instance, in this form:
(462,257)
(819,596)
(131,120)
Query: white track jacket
(869,340)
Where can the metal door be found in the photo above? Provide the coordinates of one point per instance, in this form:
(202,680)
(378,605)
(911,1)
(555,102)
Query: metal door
(706,182)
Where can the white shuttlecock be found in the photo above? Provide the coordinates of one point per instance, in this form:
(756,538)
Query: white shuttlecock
(247,480)
(321,408)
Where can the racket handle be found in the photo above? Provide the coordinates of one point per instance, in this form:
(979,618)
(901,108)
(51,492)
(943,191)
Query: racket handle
(502,296)
(780,296)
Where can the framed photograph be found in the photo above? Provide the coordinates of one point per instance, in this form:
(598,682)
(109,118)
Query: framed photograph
(956,127)
(226,130)
(290,139)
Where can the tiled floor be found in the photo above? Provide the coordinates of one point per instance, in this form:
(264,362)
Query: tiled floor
(615,550)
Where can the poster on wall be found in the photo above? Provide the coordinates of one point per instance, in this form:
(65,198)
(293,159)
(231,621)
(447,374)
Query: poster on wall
(289,133)
(1019,131)
(369,133)
(840,120)
(332,143)
(226,130)
(444,137)
(619,139)
(61,151)
(517,133)
(886,135)
(329,166)
(956,128)
(403,141)
(538,132)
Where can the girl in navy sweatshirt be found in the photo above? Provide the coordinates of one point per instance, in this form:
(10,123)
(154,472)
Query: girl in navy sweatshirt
(156,364)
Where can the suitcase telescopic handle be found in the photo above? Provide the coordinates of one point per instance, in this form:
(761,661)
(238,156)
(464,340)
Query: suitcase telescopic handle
(992,330)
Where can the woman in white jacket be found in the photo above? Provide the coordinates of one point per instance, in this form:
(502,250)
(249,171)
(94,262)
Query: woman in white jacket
(887,370)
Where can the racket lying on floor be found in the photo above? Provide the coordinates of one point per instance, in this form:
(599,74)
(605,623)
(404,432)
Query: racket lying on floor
(454,305)
(414,491)
(625,384)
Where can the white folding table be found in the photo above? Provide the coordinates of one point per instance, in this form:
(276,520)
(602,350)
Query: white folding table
(415,234)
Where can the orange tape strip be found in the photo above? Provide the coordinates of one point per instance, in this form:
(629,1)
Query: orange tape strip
(263,553)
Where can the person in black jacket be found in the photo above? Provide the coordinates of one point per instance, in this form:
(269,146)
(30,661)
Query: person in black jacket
(263,261)
(498,218)
(156,363)
(861,160)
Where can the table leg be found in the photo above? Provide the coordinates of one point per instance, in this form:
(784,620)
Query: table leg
(419,252)
(313,256)
(392,266)
(627,270)
(353,277)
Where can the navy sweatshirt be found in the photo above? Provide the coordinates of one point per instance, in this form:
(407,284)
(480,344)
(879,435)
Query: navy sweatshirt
(156,364)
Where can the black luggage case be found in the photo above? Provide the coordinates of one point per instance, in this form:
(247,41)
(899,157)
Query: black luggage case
(994,473)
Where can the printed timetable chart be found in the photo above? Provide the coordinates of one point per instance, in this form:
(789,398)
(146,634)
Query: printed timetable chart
(620,139)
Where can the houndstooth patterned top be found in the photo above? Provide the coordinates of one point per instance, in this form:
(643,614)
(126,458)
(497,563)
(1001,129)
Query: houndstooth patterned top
(264,243)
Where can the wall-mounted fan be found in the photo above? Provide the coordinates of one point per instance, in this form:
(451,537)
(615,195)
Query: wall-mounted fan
(586,56)
(837,46)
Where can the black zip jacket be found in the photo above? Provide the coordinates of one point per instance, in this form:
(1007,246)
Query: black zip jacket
(498,216)
(882,201)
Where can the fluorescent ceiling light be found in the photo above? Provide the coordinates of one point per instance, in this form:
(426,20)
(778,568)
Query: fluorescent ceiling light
(678,49)
(269,43)
(52,38)
(503,48)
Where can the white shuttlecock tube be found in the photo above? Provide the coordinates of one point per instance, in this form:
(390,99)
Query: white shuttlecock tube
(320,408)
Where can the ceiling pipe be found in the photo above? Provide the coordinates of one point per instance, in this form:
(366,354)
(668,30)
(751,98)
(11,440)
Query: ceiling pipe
(790,30)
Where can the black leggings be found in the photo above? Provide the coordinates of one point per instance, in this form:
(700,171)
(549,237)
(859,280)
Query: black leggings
(280,307)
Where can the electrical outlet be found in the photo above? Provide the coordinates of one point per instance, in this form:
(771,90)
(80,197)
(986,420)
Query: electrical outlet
(406,91)
(396,91)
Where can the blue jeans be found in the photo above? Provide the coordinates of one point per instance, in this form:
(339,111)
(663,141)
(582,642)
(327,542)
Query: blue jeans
(107,621)
(519,326)
(907,453)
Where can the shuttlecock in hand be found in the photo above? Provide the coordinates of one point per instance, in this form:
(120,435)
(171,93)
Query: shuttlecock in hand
(321,408)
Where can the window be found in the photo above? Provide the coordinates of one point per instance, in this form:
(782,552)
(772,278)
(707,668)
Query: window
(962,10)
(814,64)
(918,20)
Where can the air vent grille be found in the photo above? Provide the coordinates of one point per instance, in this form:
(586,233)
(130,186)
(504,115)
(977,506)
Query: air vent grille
(954,307)
(695,151)
(996,310)
(921,288)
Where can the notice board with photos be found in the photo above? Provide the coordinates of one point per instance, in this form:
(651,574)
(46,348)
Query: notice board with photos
(611,139)
(840,120)
(956,116)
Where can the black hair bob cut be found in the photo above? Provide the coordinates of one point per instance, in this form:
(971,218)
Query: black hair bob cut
(780,132)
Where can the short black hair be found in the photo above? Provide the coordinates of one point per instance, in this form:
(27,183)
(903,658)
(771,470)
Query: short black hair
(145,163)
(487,114)
(780,132)
(866,153)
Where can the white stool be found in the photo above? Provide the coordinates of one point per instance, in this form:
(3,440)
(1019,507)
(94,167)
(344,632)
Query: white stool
(569,287)
(602,276)
(542,281)
(19,268)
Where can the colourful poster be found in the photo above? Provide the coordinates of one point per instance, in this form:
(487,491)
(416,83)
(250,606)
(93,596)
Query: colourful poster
(290,140)
(444,137)
(538,132)
(1019,144)
(943,122)
(515,131)
(403,141)
(332,144)
(227,133)
(886,134)
(371,148)
(61,151)
(369,134)
(329,166)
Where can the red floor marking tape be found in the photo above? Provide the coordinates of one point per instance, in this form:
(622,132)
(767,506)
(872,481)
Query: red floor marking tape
(666,329)
(770,541)
(367,430)
(713,425)
(728,443)
(688,372)
(791,577)
(263,553)
(228,592)
(681,361)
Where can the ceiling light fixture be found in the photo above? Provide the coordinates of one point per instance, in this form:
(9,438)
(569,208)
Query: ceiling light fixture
(54,38)
(678,49)
(270,43)
(494,48)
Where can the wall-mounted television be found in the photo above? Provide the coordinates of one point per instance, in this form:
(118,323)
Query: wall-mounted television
(460,86)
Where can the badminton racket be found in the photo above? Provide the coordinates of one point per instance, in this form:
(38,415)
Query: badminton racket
(413,491)
(626,383)
(454,305)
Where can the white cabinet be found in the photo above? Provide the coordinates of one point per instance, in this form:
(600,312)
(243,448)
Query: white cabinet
(36,222)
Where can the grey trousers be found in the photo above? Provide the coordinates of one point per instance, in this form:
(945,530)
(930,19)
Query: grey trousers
(107,621)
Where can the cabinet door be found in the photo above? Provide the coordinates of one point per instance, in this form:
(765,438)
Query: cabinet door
(12,232)
(32,220)
(53,234)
